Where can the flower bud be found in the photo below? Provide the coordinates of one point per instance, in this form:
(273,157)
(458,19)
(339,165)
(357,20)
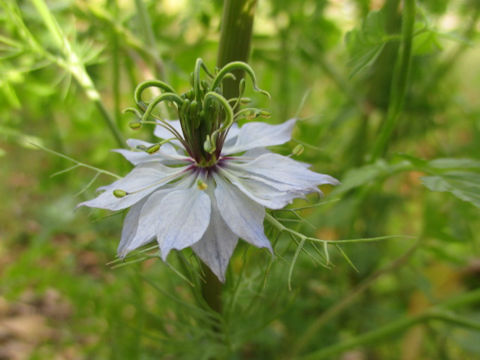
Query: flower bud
(119,193)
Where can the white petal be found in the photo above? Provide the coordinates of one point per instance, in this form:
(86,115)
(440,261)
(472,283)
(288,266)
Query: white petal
(133,235)
(217,244)
(167,154)
(258,134)
(182,218)
(133,143)
(162,133)
(232,134)
(263,192)
(141,221)
(141,181)
(242,215)
(162,157)
(287,174)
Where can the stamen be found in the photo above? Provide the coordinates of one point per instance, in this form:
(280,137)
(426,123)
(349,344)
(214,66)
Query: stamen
(134,124)
(298,150)
(119,193)
(145,85)
(153,149)
(237,65)
(202,185)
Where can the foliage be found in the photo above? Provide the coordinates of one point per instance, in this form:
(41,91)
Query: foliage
(70,67)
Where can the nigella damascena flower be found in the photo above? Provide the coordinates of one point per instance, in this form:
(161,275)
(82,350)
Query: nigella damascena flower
(208,182)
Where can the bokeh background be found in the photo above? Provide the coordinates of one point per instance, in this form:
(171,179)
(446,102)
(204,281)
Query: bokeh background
(329,63)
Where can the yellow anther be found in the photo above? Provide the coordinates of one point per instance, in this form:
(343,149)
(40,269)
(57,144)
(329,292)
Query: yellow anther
(119,193)
(201,184)
(135,125)
(153,149)
(298,150)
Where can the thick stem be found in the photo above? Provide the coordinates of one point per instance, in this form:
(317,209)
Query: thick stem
(236,33)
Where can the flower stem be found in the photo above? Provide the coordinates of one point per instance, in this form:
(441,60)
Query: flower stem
(236,33)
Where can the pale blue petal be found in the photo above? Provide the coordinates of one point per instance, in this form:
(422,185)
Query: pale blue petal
(182,218)
(134,236)
(162,133)
(259,134)
(163,156)
(217,244)
(281,172)
(263,192)
(134,143)
(141,221)
(167,154)
(242,215)
(232,135)
(141,181)
(135,157)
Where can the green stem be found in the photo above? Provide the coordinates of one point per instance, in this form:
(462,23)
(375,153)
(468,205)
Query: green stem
(236,33)
(72,63)
(399,81)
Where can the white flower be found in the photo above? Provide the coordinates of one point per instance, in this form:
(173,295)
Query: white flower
(179,203)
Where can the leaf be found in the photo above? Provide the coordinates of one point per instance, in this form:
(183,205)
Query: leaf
(368,174)
(452,163)
(462,184)
(364,44)
(426,43)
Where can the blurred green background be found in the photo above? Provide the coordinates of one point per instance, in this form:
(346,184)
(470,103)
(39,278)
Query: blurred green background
(330,63)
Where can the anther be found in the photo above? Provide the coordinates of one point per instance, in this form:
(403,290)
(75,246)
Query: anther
(153,149)
(298,150)
(265,114)
(119,193)
(135,125)
(201,184)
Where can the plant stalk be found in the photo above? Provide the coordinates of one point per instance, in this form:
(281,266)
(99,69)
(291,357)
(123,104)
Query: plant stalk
(235,37)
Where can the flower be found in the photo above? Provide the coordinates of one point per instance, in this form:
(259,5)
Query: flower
(182,204)
(210,184)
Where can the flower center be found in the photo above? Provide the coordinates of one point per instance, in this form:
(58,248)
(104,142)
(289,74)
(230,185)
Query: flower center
(205,114)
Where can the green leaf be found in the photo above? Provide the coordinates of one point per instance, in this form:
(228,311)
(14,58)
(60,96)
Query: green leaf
(369,173)
(364,44)
(426,43)
(452,163)
(462,184)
